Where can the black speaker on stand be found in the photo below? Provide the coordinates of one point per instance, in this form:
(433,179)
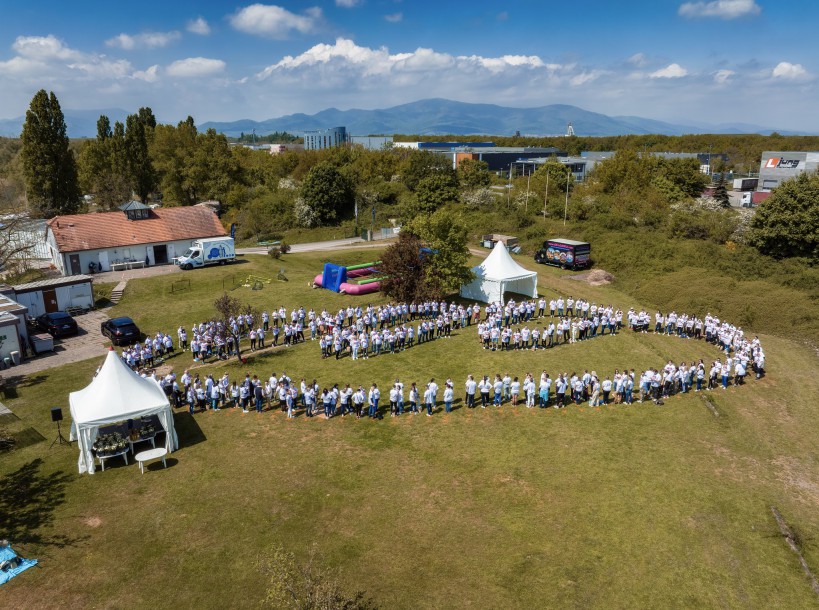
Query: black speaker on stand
(57,416)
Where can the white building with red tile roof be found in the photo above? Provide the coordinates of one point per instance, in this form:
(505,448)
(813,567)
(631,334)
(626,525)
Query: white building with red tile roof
(136,234)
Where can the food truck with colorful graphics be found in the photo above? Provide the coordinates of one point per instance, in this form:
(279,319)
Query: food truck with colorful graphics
(565,253)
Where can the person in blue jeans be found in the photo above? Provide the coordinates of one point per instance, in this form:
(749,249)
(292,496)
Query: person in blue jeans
(449,394)
(375,395)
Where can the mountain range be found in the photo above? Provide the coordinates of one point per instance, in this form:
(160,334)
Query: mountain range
(441,117)
(430,117)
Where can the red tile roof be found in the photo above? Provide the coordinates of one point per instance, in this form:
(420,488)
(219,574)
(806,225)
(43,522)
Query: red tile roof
(79,232)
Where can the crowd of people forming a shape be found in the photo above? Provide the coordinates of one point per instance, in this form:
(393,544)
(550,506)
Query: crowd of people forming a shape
(363,332)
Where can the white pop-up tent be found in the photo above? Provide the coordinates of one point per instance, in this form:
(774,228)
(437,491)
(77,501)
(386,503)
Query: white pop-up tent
(500,273)
(116,394)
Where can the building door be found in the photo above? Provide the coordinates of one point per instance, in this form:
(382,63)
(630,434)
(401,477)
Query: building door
(104,261)
(50,300)
(160,254)
(74,261)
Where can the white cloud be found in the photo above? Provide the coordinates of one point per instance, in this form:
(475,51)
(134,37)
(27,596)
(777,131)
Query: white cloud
(345,54)
(149,75)
(198,26)
(789,71)
(393,17)
(146,40)
(43,48)
(723,76)
(638,59)
(274,21)
(670,71)
(40,57)
(586,77)
(724,9)
(195,66)
(348,3)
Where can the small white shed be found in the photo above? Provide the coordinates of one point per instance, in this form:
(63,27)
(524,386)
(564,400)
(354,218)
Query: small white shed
(55,294)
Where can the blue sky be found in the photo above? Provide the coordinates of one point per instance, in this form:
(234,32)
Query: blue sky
(709,61)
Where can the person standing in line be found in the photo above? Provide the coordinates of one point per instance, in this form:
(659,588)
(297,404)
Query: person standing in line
(429,399)
(545,386)
(374,396)
(498,387)
(393,401)
(413,398)
(560,386)
(606,388)
(470,386)
(449,395)
(514,389)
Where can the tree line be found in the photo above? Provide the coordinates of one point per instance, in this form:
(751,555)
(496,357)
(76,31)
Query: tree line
(267,195)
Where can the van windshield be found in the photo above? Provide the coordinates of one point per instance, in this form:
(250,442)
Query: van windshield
(191,253)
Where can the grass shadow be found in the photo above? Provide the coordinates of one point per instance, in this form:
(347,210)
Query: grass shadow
(28,499)
(188,430)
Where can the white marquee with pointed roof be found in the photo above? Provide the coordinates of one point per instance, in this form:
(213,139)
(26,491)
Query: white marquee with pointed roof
(116,394)
(497,274)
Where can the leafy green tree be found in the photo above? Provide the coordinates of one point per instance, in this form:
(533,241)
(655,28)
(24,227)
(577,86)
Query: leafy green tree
(103,128)
(444,232)
(436,190)
(721,192)
(558,175)
(327,193)
(104,167)
(170,151)
(474,174)
(787,223)
(49,166)
(138,162)
(420,164)
(405,269)
(147,118)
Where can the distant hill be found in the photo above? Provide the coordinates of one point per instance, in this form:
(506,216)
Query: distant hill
(79,123)
(429,117)
(441,117)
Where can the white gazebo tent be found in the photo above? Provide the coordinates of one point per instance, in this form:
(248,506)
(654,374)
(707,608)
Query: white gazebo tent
(500,273)
(116,394)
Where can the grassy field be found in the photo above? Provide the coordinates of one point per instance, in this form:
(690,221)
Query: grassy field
(620,506)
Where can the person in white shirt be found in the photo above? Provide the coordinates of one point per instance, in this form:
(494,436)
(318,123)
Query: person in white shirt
(514,388)
(470,387)
(429,400)
(449,395)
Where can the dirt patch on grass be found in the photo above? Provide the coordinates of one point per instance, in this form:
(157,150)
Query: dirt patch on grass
(799,477)
(92,521)
(596,277)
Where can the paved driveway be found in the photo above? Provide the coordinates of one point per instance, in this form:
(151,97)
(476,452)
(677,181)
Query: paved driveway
(87,344)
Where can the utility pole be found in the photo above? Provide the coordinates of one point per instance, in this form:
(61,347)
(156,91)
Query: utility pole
(529,177)
(546,198)
(566,208)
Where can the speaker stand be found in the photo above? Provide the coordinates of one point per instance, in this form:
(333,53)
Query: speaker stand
(60,438)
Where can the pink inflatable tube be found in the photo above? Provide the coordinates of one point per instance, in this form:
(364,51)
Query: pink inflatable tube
(357,289)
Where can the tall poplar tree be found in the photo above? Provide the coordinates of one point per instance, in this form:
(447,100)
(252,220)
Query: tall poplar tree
(48,164)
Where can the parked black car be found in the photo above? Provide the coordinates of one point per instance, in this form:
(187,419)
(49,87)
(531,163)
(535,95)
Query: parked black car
(121,331)
(57,324)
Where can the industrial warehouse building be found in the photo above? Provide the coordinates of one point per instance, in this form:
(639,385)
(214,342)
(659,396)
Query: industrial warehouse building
(499,159)
(777,166)
(134,236)
(320,139)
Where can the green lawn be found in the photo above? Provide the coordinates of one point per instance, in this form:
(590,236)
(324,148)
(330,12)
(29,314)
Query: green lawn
(626,506)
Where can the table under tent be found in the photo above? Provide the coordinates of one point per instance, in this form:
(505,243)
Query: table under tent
(116,394)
